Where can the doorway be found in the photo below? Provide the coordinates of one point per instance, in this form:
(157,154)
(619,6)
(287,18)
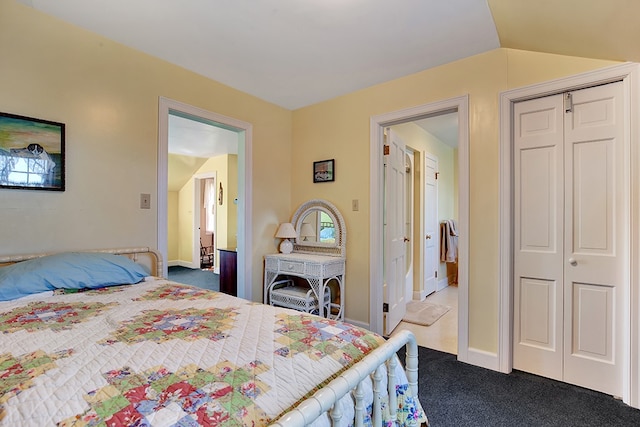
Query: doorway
(378,123)
(243,131)
(430,195)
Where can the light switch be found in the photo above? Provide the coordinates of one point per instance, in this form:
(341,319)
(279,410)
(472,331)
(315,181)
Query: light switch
(355,205)
(145,201)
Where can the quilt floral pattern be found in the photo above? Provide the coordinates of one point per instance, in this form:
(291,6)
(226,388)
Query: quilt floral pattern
(49,315)
(17,373)
(164,325)
(220,396)
(319,337)
(178,293)
(162,354)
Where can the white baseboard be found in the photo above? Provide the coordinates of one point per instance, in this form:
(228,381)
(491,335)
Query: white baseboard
(180,263)
(419,295)
(482,358)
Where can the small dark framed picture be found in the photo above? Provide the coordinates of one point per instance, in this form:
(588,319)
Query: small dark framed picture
(324,171)
(31,153)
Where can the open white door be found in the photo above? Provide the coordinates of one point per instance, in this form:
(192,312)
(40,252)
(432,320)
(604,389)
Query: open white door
(395,298)
(408,222)
(431,232)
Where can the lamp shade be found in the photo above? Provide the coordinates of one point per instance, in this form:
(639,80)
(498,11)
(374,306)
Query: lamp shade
(307,230)
(286,231)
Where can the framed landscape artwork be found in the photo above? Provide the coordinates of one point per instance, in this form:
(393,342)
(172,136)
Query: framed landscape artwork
(31,153)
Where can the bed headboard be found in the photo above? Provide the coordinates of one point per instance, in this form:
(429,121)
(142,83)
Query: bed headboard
(149,258)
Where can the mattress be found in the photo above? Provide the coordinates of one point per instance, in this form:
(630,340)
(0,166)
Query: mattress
(160,353)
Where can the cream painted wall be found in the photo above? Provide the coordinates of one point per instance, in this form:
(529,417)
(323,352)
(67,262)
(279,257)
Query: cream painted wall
(417,138)
(339,128)
(107,95)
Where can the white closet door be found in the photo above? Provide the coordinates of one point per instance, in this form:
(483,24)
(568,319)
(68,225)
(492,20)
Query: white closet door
(571,237)
(538,236)
(596,236)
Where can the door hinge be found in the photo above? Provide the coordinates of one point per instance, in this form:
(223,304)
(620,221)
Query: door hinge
(436,274)
(385,307)
(386,150)
(437,173)
(568,102)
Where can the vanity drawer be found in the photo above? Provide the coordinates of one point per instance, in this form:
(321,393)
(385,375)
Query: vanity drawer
(288,266)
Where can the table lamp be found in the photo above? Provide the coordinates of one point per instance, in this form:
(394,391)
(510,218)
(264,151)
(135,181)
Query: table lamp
(286,232)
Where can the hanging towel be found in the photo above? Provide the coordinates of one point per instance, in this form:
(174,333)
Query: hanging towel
(448,241)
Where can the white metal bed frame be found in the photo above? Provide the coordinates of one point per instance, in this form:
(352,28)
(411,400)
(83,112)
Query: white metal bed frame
(323,400)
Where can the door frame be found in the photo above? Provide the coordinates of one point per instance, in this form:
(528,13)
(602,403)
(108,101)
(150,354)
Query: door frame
(245,189)
(376,206)
(629,74)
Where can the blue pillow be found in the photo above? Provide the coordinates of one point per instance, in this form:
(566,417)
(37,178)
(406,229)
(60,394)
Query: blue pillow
(69,271)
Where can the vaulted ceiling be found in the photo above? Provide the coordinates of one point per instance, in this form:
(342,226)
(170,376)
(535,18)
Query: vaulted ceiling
(294,53)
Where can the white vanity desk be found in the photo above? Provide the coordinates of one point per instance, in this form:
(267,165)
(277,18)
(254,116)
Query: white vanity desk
(319,260)
(318,270)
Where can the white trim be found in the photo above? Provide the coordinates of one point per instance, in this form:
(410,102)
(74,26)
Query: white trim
(245,162)
(482,358)
(419,295)
(377,124)
(180,263)
(629,73)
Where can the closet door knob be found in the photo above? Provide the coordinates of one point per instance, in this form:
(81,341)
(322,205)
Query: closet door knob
(428,236)
(573,262)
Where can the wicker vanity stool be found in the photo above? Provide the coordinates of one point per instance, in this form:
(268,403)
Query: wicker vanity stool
(284,293)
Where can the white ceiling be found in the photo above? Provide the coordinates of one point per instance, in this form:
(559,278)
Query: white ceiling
(442,126)
(292,53)
(197,139)
(295,53)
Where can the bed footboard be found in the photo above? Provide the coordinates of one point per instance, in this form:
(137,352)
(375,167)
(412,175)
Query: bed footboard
(324,399)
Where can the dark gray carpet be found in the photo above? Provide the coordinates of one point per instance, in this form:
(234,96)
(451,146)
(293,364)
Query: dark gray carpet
(206,279)
(456,394)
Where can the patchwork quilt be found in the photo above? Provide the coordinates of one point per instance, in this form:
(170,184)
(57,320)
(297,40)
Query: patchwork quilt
(164,354)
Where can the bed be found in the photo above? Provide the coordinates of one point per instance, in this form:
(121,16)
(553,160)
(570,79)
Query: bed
(100,338)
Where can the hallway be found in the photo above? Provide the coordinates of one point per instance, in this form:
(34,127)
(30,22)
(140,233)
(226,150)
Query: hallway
(443,334)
